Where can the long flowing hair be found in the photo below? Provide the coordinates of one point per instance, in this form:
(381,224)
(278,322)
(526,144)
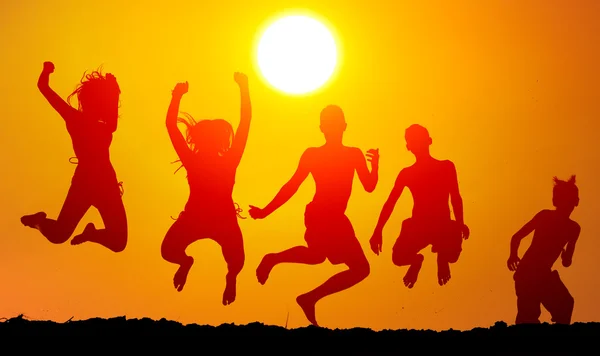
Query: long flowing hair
(93,87)
(208,135)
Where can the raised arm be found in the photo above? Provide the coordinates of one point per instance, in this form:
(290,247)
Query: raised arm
(287,191)
(59,104)
(368,179)
(241,135)
(567,254)
(377,238)
(515,241)
(179,142)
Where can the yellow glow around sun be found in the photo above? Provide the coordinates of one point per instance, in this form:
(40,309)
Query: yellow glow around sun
(297,54)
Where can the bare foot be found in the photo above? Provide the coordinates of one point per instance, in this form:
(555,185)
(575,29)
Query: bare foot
(443,271)
(308,307)
(85,236)
(34,220)
(229,293)
(410,278)
(182,273)
(264,268)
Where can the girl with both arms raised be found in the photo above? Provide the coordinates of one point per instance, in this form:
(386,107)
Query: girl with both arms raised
(210,153)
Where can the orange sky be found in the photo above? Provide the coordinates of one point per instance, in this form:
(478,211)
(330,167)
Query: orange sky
(508,89)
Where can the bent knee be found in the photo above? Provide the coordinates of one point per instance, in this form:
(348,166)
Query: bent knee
(58,235)
(361,268)
(119,240)
(402,258)
(170,251)
(235,258)
(318,257)
(120,245)
(450,256)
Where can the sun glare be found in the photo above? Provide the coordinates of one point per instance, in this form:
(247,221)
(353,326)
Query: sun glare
(297,54)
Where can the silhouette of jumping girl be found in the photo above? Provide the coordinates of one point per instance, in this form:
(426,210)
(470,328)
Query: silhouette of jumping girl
(554,234)
(210,153)
(94,182)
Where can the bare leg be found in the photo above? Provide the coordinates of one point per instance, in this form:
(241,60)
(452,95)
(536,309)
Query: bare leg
(357,271)
(297,254)
(60,230)
(233,252)
(173,250)
(557,300)
(114,235)
(443,270)
(406,251)
(401,257)
(448,251)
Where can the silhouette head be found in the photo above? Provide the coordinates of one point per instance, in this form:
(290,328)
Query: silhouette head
(209,137)
(565,194)
(97,96)
(417,139)
(333,124)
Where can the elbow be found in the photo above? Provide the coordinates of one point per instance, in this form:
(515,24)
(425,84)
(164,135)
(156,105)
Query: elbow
(43,87)
(370,186)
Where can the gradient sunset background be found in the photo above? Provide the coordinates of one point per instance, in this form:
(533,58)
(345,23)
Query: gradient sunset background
(509,91)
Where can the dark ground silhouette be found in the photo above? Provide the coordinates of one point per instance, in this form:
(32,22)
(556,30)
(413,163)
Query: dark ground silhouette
(146,334)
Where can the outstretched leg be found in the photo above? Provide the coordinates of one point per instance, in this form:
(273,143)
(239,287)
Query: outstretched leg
(176,241)
(297,254)
(111,209)
(358,270)
(233,252)
(60,230)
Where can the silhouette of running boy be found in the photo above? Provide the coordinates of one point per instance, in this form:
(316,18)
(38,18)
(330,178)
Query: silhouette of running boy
(211,154)
(329,233)
(555,234)
(431,182)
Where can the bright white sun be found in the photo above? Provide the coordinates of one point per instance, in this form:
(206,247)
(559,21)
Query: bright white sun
(297,54)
